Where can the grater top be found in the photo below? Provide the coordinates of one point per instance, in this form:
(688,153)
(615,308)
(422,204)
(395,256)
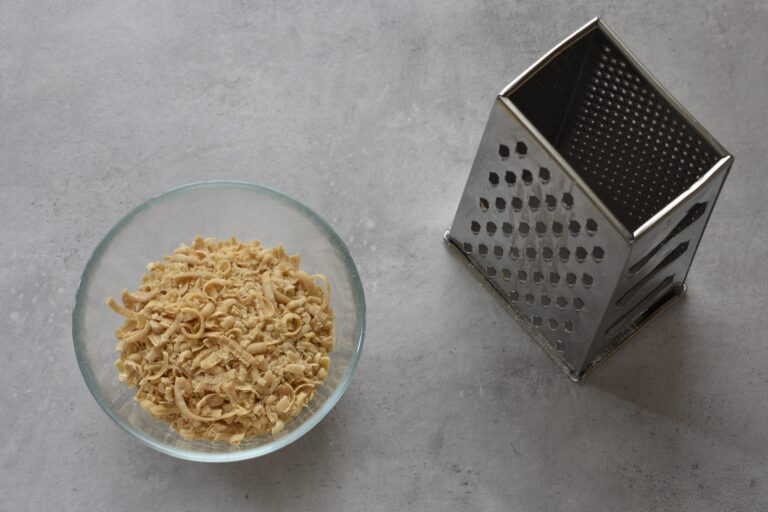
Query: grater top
(629,141)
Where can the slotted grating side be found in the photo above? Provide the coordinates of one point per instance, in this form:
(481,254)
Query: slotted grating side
(657,266)
(537,238)
(628,143)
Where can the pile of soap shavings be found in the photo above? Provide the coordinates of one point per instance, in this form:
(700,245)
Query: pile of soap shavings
(225,340)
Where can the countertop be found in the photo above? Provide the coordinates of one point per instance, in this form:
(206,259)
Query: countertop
(371,114)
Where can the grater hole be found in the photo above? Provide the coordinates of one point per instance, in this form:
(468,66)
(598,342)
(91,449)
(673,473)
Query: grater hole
(482,249)
(560,346)
(506,274)
(564,254)
(536,320)
(587,280)
(545,301)
(578,304)
(493,179)
(514,253)
(581,254)
(570,279)
(567,201)
(506,228)
(529,298)
(562,302)
(490,227)
(568,326)
(514,296)
(551,202)
(530,252)
(538,277)
(521,149)
(554,278)
(503,152)
(534,203)
(517,204)
(527,177)
(501,204)
(591,226)
(490,271)
(474,227)
(547,253)
(541,228)
(467,247)
(523,228)
(553,324)
(574,227)
(522,276)
(498,251)
(544,175)
(483,204)
(510,178)
(557,228)
(598,253)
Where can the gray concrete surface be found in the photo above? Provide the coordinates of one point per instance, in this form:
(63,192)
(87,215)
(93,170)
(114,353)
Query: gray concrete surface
(371,114)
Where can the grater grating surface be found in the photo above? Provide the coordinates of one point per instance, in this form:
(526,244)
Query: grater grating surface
(587,199)
(626,141)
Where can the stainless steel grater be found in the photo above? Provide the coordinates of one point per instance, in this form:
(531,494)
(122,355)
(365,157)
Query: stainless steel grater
(588,197)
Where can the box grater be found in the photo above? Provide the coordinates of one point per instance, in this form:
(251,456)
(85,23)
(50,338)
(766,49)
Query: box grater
(588,197)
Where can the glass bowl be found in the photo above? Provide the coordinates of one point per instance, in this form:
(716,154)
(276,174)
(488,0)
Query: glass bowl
(217,209)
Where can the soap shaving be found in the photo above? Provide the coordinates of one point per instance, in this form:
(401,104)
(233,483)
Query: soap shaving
(225,340)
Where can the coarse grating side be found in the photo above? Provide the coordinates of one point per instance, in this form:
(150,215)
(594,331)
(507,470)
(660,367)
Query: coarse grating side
(587,198)
(538,238)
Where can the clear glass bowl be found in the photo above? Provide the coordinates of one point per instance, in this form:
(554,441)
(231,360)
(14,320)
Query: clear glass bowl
(218,209)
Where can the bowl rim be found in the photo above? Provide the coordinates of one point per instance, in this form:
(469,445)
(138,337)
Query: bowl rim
(357,293)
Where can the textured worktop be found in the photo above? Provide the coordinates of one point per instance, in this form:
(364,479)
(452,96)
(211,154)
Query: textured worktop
(371,114)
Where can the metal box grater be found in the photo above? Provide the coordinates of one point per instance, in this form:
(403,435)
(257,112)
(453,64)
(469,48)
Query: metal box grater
(588,197)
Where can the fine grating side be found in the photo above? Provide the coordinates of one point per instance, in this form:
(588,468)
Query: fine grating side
(622,137)
(587,198)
